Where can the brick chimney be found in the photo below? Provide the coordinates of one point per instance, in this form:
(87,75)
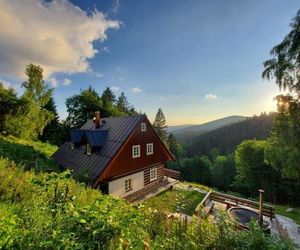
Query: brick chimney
(97,119)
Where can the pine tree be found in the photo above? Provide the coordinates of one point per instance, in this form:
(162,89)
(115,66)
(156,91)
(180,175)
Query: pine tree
(109,108)
(108,96)
(53,131)
(123,104)
(172,144)
(160,125)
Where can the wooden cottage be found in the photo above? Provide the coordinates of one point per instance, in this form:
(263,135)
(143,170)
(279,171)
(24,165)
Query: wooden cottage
(123,156)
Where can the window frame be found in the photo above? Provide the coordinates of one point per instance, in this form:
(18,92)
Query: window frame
(149,146)
(128,185)
(143,127)
(153,177)
(138,147)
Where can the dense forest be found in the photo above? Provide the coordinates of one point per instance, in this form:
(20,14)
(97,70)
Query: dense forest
(226,138)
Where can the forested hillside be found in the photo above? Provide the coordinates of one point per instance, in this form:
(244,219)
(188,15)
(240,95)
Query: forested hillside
(195,130)
(226,138)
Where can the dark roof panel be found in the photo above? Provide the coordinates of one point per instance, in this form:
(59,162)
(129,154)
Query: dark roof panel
(108,139)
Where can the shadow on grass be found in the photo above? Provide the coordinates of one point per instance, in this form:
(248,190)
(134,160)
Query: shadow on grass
(25,155)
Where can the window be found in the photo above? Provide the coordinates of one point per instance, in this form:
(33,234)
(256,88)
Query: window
(88,149)
(153,174)
(128,185)
(143,127)
(72,146)
(136,151)
(149,149)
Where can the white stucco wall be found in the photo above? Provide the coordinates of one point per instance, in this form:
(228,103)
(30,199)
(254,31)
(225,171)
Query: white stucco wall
(117,187)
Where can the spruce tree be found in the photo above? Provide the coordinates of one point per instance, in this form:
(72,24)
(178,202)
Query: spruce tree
(160,126)
(172,144)
(53,131)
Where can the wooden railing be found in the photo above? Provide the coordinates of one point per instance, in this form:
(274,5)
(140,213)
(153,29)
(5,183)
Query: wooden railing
(172,173)
(268,210)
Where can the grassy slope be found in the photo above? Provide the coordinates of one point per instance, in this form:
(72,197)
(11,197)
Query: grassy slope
(27,153)
(295,215)
(52,211)
(180,201)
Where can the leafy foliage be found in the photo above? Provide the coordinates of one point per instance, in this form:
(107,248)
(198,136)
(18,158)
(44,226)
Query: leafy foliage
(52,211)
(285,64)
(283,152)
(29,154)
(81,107)
(253,172)
(8,104)
(30,119)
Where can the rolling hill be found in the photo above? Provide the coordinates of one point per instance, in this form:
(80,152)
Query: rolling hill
(226,138)
(188,132)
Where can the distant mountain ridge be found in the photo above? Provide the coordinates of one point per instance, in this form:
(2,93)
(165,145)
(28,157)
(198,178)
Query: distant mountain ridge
(177,127)
(192,130)
(226,138)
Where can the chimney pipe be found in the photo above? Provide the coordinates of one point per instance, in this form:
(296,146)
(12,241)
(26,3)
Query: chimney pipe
(97,119)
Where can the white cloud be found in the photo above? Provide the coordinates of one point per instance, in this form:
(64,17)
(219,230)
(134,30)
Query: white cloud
(136,90)
(115,88)
(56,35)
(99,75)
(116,6)
(210,97)
(67,82)
(53,82)
(105,49)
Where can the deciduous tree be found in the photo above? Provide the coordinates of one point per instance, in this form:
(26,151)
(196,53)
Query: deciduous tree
(31,117)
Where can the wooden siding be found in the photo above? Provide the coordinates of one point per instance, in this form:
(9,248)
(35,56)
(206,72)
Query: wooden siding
(160,174)
(123,163)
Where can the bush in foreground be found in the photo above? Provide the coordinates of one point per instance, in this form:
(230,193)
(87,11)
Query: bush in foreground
(52,211)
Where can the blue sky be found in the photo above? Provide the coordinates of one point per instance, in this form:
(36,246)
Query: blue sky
(197,60)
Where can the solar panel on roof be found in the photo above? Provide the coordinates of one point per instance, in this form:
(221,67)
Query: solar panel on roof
(110,136)
(96,138)
(76,135)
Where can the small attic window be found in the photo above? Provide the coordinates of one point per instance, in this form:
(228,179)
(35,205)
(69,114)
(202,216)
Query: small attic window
(88,149)
(143,127)
(72,146)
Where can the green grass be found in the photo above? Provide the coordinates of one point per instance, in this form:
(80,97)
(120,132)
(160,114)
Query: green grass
(294,215)
(198,185)
(27,153)
(177,200)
